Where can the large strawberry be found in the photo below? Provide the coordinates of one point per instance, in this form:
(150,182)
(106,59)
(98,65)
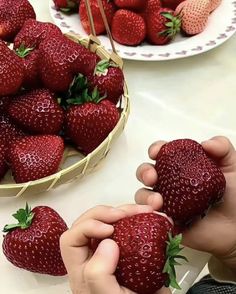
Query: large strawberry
(4,103)
(147,252)
(3,152)
(128,28)
(131,4)
(172,4)
(33,243)
(13,14)
(152,6)
(109,9)
(37,111)
(194,15)
(61,59)
(34,32)
(11,71)
(189,181)
(89,123)
(67,5)
(162,26)
(35,157)
(109,80)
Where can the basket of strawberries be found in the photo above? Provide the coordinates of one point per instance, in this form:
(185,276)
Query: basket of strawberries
(60,96)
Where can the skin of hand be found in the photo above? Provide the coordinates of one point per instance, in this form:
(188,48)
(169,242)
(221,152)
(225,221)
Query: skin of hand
(94,273)
(216,232)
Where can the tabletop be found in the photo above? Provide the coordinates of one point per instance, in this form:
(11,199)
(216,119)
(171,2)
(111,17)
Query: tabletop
(186,98)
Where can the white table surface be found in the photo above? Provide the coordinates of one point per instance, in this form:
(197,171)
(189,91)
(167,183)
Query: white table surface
(193,97)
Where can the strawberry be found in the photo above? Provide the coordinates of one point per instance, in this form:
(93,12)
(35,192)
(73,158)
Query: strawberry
(9,132)
(33,243)
(31,64)
(152,6)
(3,165)
(13,14)
(35,157)
(189,181)
(67,5)
(172,4)
(109,80)
(37,111)
(214,4)
(162,26)
(109,9)
(11,71)
(88,124)
(131,4)
(4,103)
(128,28)
(194,15)
(61,59)
(34,32)
(147,252)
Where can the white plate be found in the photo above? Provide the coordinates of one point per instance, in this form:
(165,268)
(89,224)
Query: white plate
(221,26)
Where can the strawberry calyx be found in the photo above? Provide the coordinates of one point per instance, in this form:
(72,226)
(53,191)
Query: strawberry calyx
(22,51)
(173,25)
(71,6)
(24,217)
(102,67)
(86,97)
(172,252)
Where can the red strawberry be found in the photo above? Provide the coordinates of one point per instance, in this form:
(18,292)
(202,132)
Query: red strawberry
(61,59)
(152,6)
(11,71)
(162,26)
(33,243)
(189,181)
(88,124)
(67,5)
(35,157)
(131,4)
(4,103)
(147,252)
(3,152)
(9,132)
(13,14)
(109,9)
(172,4)
(109,80)
(34,32)
(128,28)
(31,64)
(37,111)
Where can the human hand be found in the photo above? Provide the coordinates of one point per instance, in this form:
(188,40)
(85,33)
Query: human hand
(215,233)
(94,274)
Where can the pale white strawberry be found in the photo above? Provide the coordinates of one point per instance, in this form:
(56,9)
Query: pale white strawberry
(214,4)
(194,15)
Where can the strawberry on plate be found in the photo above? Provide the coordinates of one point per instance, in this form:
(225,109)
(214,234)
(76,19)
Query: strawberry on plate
(67,5)
(90,120)
(152,6)
(13,14)
(128,28)
(33,243)
(37,112)
(172,4)
(109,80)
(131,4)
(162,26)
(147,252)
(109,9)
(3,164)
(189,181)
(11,71)
(35,157)
(214,4)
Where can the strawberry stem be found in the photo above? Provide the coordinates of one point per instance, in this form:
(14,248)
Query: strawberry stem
(24,217)
(173,25)
(22,51)
(172,250)
(102,66)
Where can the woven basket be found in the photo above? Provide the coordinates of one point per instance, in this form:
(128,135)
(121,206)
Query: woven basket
(83,165)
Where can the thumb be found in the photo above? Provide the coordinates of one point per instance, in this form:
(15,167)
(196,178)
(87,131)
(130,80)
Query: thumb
(99,270)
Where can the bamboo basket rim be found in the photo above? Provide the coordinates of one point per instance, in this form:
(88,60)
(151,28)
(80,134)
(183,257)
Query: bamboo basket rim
(94,44)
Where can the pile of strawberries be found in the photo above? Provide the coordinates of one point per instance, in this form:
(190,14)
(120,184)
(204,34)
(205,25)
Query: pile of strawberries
(52,90)
(135,21)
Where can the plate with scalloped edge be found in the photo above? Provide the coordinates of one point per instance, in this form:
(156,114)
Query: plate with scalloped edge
(221,26)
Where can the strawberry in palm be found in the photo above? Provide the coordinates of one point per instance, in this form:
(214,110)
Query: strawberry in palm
(109,80)
(189,181)
(109,9)
(33,243)
(35,157)
(162,26)
(37,111)
(13,14)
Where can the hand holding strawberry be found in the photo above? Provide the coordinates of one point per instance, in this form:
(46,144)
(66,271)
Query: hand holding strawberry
(220,220)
